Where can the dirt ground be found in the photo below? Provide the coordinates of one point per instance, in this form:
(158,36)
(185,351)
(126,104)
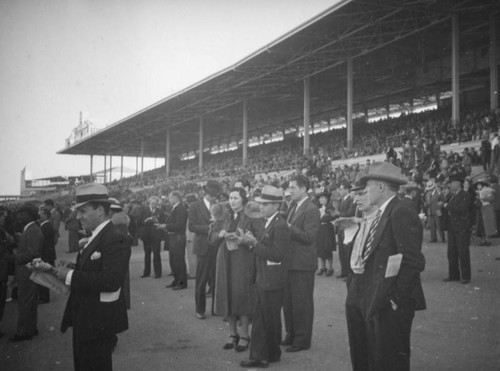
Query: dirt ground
(460,330)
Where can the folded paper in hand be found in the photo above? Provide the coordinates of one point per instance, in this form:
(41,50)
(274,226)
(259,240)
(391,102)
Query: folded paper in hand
(48,280)
(393,265)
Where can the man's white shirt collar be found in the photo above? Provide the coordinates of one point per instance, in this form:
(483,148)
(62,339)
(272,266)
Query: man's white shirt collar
(96,231)
(268,221)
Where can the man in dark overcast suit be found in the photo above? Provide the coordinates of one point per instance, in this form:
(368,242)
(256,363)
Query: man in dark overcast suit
(96,306)
(270,247)
(347,209)
(175,226)
(198,223)
(384,286)
(29,247)
(298,308)
(48,253)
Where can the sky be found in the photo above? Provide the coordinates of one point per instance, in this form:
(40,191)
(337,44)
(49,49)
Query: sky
(111,59)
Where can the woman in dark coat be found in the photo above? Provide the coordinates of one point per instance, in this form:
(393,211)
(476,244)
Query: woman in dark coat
(325,243)
(235,271)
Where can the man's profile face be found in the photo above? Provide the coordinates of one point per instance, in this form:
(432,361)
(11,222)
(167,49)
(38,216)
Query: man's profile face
(296,191)
(90,217)
(268,208)
(362,200)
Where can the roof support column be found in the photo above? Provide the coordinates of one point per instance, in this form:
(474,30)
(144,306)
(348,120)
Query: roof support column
(91,168)
(200,147)
(110,168)
(349,104)
(245,132)
(307,119)
(167,152)
(105,172)
(493,63)
(455,76)
(121,168)
(142,161)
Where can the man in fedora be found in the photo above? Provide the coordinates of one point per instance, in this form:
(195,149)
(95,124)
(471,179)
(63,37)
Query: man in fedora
(384,287)
(298,307)
(459,231)
(198,223)
(270,247)
(96,305)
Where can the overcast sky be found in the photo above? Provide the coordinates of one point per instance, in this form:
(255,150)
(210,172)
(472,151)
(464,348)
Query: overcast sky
(112,58)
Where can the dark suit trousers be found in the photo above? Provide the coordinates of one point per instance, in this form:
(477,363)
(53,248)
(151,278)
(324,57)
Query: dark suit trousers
(381,343)
(204,266)
(3,298)
(344,255)
(298,307)
(435,225)
(93,355)
(177,254)
(266,326)
(459,255)
(152,246)
(27,305)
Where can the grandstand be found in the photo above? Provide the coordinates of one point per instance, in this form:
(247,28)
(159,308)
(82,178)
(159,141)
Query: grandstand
(356,62)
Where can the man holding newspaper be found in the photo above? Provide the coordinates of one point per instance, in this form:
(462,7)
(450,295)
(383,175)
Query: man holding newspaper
(96,307)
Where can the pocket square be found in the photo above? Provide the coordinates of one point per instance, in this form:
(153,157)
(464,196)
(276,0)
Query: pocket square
(96,255)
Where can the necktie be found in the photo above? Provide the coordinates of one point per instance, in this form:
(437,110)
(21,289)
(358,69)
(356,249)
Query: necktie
(292,212)
(371,235)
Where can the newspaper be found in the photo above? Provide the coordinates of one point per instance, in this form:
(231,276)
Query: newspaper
(48,280)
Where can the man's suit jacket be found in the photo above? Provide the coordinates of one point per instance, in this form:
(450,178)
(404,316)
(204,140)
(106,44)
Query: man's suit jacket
(48,252)
(408,202)
(432,199)
(149,232)
(176,221)
(304,227)
(459,211)
(29,247)
(94,315)
(55,220)
(347,207)
(273,246)
(399,231)
(198,223)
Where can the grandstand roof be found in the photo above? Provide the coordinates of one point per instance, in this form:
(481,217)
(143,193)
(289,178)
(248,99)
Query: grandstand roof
(390,41)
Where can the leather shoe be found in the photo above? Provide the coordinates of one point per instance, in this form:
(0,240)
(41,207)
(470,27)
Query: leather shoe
(145,275)
(287,341)
(200,316)
(173,284)
(254,363)
(179,287)
(157,276)
(450,280)
(294,349)
(465,282)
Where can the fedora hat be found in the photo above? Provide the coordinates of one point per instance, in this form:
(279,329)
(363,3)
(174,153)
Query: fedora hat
(482,181)
(358,184)
(385,172)
(91,192)
(252,210)
(212,188)
(410,186)
(115,204)
(270,194)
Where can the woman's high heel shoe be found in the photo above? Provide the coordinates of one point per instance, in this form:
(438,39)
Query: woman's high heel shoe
(242,348)
(233,343)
